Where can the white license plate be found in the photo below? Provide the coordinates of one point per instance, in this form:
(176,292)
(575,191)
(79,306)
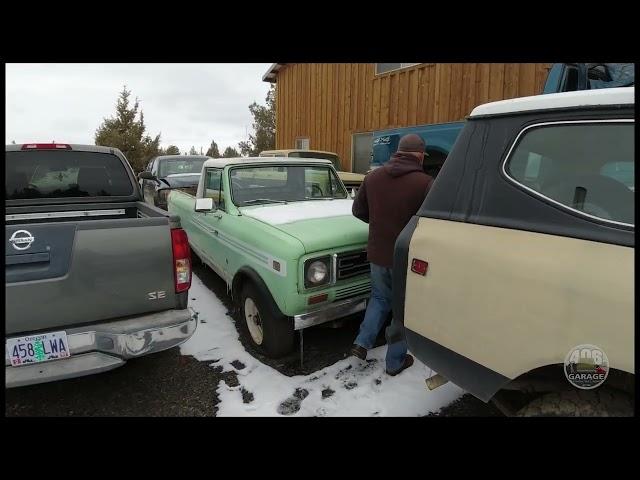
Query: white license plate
(38,348)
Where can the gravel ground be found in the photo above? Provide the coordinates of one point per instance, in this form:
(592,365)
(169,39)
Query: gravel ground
(169,384)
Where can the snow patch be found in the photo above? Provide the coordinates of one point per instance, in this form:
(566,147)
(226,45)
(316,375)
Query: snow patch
(293,212)
(349,387)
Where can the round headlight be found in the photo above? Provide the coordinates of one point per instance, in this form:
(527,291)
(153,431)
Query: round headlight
(317,272)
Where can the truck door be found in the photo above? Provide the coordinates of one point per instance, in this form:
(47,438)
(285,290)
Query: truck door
(210,224)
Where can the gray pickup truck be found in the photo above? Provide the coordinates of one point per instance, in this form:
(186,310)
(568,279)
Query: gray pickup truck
(94,276)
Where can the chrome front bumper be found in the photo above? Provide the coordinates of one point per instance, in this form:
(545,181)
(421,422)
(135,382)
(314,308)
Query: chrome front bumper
(105,346)
(331,311)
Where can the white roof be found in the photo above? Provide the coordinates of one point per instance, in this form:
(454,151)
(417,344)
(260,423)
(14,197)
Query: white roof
(604,96)
(223,162)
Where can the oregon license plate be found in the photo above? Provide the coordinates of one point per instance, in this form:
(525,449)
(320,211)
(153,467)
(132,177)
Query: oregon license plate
(38,348)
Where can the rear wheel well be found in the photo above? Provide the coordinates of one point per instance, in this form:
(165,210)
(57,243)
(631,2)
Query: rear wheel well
(236,285)
(550,379)
(247,274)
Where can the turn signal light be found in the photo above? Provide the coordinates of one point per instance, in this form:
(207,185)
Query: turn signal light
(318,299)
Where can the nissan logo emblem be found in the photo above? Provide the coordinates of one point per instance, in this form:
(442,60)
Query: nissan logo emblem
(21,239)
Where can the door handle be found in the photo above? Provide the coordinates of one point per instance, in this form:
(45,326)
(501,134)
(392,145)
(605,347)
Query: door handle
(217,215)
(27,258)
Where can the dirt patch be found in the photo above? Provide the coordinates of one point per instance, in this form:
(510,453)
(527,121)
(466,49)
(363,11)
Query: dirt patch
(292,404)
(247,396)
(238,365)
(327,392)
(468,406)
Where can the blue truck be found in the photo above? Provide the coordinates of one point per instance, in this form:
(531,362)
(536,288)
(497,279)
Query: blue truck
(440,137)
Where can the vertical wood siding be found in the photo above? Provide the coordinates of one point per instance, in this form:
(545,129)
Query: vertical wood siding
(330,102)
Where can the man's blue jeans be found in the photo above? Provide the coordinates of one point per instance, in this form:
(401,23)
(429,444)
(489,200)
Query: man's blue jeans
(378,308)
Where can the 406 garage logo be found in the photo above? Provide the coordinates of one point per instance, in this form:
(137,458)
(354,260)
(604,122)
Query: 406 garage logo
(586,366)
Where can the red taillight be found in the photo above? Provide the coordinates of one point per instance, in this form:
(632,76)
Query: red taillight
(46,146)
(181,259)
(419,266)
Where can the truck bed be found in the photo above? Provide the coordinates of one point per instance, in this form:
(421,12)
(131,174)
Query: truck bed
(80,244)
(87,265)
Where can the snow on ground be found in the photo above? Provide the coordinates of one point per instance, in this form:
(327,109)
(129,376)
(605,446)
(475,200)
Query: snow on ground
(349,387)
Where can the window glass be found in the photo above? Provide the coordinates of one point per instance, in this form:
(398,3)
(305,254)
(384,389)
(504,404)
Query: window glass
(59,174)
(214,187)
(284,183)
(588,167)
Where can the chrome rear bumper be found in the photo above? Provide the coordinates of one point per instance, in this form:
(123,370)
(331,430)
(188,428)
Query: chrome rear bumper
(101,347)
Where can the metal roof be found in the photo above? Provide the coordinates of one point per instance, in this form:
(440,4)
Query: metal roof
(272,74)
(223,162)
(586,98)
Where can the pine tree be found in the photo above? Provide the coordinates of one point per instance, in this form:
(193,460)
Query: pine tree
(193,151)
(213,151)
(264,126)
(230,152)
(172,150)
(128,134)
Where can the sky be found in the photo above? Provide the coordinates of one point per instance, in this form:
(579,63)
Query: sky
(188,104)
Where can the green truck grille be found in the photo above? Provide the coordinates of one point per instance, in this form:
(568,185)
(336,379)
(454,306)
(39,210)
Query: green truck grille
(352,291)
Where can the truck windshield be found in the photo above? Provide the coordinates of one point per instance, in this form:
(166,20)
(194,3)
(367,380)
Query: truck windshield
(60,174)
(284,183)
(172,166)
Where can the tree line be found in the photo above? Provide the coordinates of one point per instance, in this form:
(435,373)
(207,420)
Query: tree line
(128,132)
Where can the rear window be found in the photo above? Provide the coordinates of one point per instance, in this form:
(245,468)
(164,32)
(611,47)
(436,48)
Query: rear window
(587,167)
(61,174)
(180,165)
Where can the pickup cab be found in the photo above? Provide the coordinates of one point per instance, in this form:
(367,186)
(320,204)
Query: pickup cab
(280,232)
(439,139)
(570,77)
(515,279)
(166,172)
(93,276)
(350,180)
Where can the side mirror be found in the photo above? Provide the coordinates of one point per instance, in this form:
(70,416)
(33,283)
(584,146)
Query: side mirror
(204,204)
(148,176)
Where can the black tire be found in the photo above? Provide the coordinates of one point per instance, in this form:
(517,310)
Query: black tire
(195,258)
(580,403)
(277,330)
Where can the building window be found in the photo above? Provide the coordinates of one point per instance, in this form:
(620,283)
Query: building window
(388,67)
(587,167)
(302,144)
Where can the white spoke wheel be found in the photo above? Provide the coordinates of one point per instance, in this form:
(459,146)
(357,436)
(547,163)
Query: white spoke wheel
(253,320)
(263,324)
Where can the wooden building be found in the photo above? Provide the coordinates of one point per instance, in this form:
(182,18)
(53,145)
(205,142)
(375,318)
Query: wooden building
(337,106)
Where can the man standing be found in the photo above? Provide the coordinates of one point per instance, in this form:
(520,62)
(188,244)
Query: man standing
(387,199)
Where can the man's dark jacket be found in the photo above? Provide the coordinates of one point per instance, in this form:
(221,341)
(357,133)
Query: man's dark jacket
(387,199)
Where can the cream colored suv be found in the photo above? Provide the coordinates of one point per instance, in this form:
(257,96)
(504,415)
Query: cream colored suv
(524,250)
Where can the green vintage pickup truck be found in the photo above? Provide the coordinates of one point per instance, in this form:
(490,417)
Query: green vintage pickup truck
(280,232)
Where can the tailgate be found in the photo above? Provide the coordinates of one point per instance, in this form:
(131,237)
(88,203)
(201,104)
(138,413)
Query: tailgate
(71,273)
